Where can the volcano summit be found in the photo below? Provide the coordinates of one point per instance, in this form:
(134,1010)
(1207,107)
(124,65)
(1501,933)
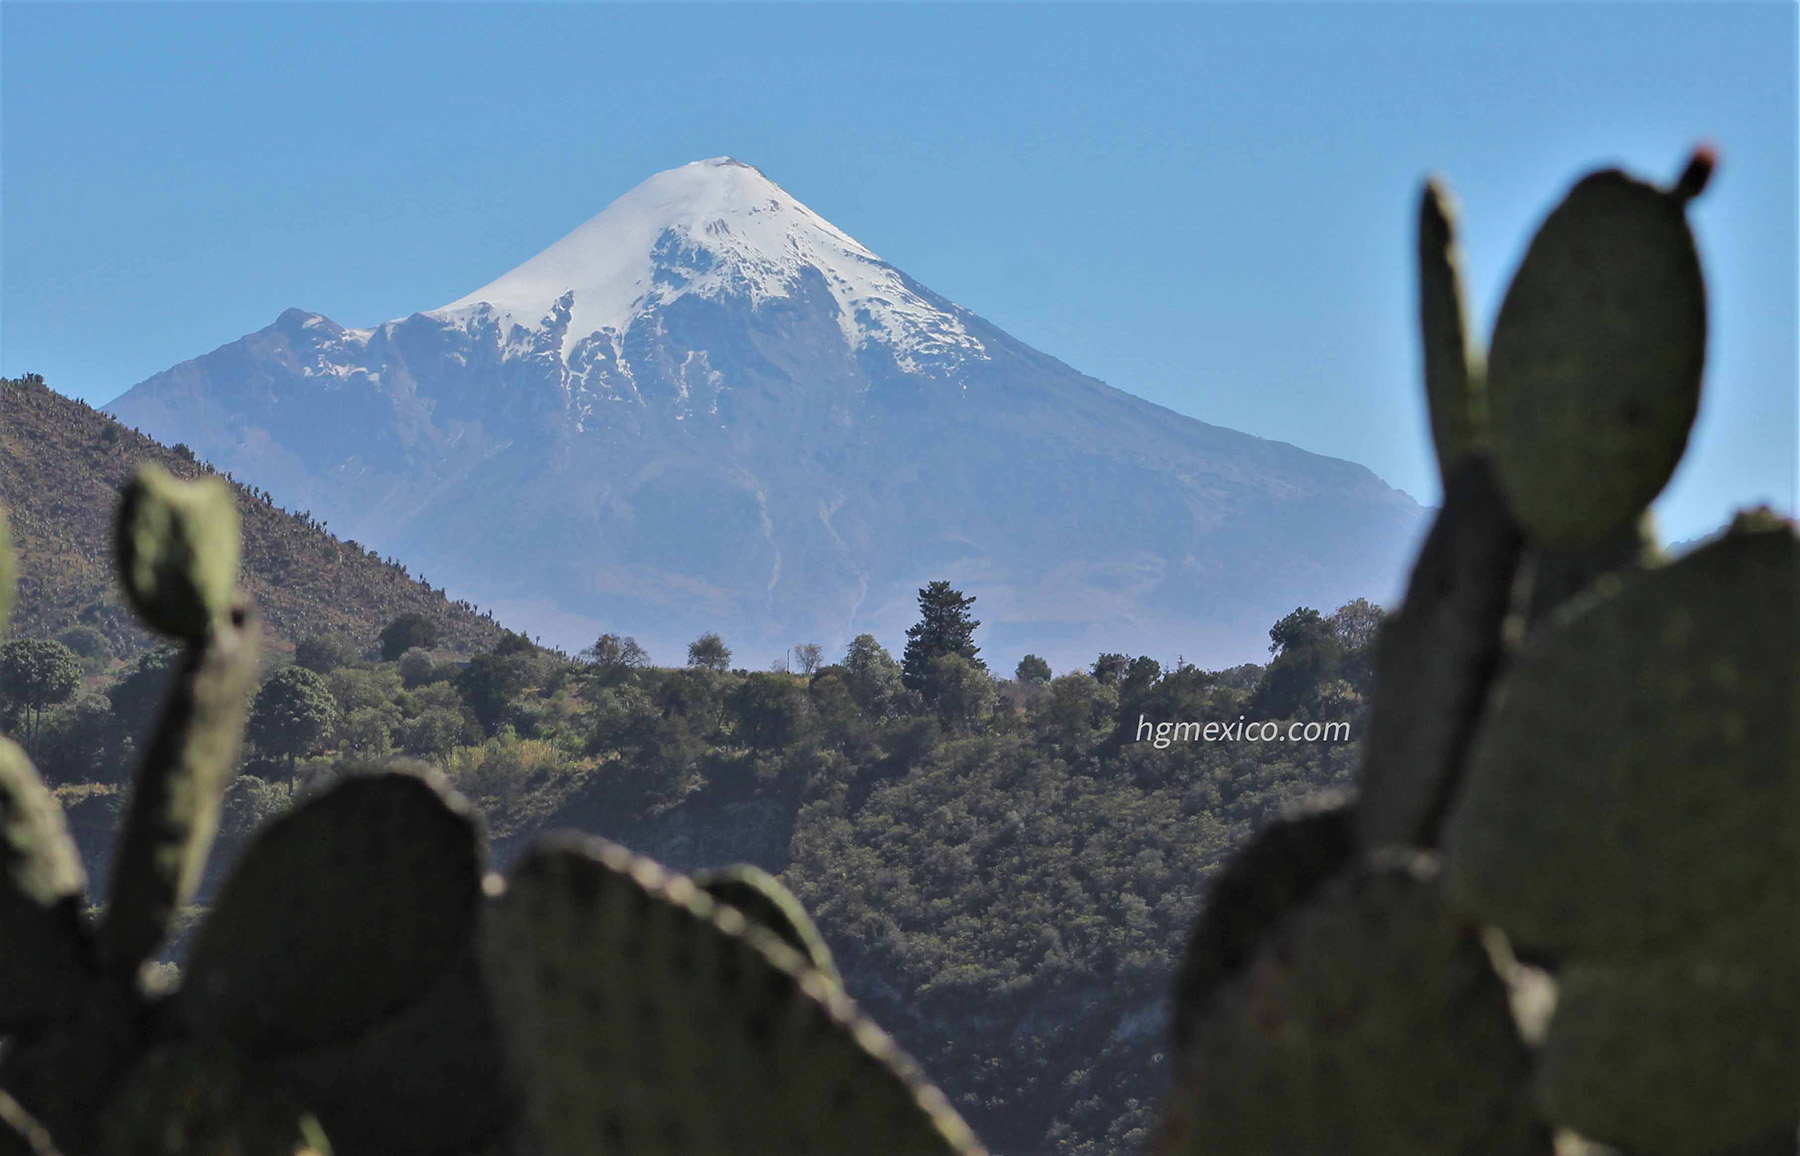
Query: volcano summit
(708,408)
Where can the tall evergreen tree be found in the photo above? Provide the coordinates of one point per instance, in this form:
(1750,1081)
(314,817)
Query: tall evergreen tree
(944,627)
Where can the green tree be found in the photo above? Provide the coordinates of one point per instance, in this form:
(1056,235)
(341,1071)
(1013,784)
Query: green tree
(418,668)
(1110,668)
(963,693)
(613,652)
(36,673)
(324,653)
(944,627)
(293,712)
(874,677)
(490,683)
(1031,668)
(769,710)
(809,657)
(709,652)
(1308,655)
(409,630)
(90,646)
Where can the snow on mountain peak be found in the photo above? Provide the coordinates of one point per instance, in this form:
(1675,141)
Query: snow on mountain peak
(715,227)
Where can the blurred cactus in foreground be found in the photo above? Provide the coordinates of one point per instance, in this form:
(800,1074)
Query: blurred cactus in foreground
(1582,756)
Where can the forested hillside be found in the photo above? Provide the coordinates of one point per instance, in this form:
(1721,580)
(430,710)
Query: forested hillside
(1004,869)
(61,465)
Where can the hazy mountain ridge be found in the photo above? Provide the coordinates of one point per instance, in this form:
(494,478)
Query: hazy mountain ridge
(61,467)
(757,426)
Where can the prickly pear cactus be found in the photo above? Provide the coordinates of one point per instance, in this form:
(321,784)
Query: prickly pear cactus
(46,961)
(760,898)
(1455,387)
(1661,713)
(1606,744)
(20,1135)
(1282,867)
(1370,1021)
(336,979)
(337,917)
(184,1100)
(178,545)
(641,1016)
(1690,1052)
(1594,368)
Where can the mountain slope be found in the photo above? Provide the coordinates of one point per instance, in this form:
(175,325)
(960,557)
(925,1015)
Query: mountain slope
(707,408)
(61,466)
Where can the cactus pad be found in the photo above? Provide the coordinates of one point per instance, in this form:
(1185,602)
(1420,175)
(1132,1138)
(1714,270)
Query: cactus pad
(761,899)
(1435,661)
(174,807)
(340,914)
(1689,1054)
(177,546)
(1279,869)
(429,1081)
(193,1101)
(1369,1022)
(1594,370)
(1636,777)
(643,1017)
(46,961)
(1453,370)
(20,1135)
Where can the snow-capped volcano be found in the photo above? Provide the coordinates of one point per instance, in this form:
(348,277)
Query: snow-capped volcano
(708,408)
(715,228)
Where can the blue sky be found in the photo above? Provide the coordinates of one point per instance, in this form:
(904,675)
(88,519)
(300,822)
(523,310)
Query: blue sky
(1207,205)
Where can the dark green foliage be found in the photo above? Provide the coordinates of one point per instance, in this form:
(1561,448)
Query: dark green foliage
(874,679)
(36,673)
(418,668)
(944,627)
(961,691)
(405,632)
(1031,668)
(613,654)
(709,652)
(293,713)
(769,710)
(324,653)
(489,685)
(87,643)
(1109,669)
